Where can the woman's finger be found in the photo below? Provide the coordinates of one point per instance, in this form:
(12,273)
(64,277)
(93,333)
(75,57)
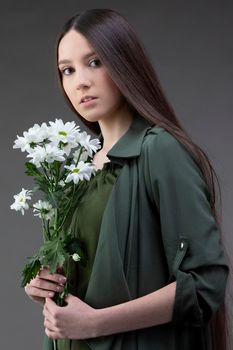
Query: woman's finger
(46,285)
(32,291)
(55,277)
(50,325)
(52,334)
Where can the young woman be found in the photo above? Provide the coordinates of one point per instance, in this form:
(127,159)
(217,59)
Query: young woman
(156,273)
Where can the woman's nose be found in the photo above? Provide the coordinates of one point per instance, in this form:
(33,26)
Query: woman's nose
(81,80)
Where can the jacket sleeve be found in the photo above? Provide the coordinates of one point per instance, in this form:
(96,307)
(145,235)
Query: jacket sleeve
(189,231)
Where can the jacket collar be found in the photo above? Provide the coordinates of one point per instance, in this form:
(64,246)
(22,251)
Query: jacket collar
(129,145)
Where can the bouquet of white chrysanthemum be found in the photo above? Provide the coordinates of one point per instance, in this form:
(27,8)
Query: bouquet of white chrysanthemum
(60,159)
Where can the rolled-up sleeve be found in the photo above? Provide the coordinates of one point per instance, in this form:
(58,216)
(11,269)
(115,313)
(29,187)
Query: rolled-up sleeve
(190,234)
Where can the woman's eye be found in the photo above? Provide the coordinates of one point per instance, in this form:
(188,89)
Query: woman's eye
(66,71)
(96,60)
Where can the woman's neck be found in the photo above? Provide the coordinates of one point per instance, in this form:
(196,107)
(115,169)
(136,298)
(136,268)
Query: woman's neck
(112,129)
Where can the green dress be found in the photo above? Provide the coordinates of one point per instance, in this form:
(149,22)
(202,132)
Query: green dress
(85,224)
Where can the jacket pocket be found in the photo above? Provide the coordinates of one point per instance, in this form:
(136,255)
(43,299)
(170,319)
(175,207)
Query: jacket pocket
(180,254)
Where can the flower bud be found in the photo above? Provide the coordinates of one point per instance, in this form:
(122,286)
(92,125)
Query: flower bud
(76,257)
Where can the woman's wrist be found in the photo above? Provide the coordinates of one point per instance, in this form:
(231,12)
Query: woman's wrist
(95,323)
(99,320)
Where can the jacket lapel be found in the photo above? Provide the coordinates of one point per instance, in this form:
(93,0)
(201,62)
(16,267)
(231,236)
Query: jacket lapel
(129,145)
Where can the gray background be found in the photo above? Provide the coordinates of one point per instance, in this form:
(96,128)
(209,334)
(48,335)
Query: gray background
(190,44)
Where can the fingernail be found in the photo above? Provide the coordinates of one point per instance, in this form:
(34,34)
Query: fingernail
(51,294)
(62,279)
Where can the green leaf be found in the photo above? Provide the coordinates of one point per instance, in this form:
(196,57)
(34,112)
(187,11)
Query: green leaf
(42,184)
(53,254)
(30,270)
(31,169)
(56,166)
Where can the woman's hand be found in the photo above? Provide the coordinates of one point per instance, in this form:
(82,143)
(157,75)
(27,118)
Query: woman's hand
(76,320)
(45,285)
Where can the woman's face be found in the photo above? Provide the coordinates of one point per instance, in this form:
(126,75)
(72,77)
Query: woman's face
(83,74)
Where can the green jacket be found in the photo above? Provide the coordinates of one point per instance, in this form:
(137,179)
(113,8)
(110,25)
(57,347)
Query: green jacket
(158,227)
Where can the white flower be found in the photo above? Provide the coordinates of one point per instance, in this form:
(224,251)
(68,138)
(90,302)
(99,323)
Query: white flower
(61,183)
(64,134)
(90,145)
(76,257)
(22,142)
(83,156)
(32,137)
(81,171)
(48,153)
(44,210)
(20,202)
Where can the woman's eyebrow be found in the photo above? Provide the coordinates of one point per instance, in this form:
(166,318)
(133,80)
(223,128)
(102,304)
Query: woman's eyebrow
(84,57)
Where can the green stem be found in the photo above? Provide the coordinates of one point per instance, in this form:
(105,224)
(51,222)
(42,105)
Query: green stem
(45,173)
(57,175)
(48,230)
(69,206)
(55,221)
(55,347)
(52,176)
(80,152)
(45,233)
(66,289)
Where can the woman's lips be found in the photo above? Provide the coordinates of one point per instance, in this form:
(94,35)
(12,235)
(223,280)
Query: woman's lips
(88,102)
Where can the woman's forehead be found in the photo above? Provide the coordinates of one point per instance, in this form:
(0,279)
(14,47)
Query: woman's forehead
(74,44)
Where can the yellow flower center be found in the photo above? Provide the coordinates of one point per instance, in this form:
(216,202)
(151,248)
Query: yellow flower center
(76,170)
(63,133)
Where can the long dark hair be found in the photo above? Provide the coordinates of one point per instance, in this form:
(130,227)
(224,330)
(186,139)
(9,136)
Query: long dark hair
(120,50)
